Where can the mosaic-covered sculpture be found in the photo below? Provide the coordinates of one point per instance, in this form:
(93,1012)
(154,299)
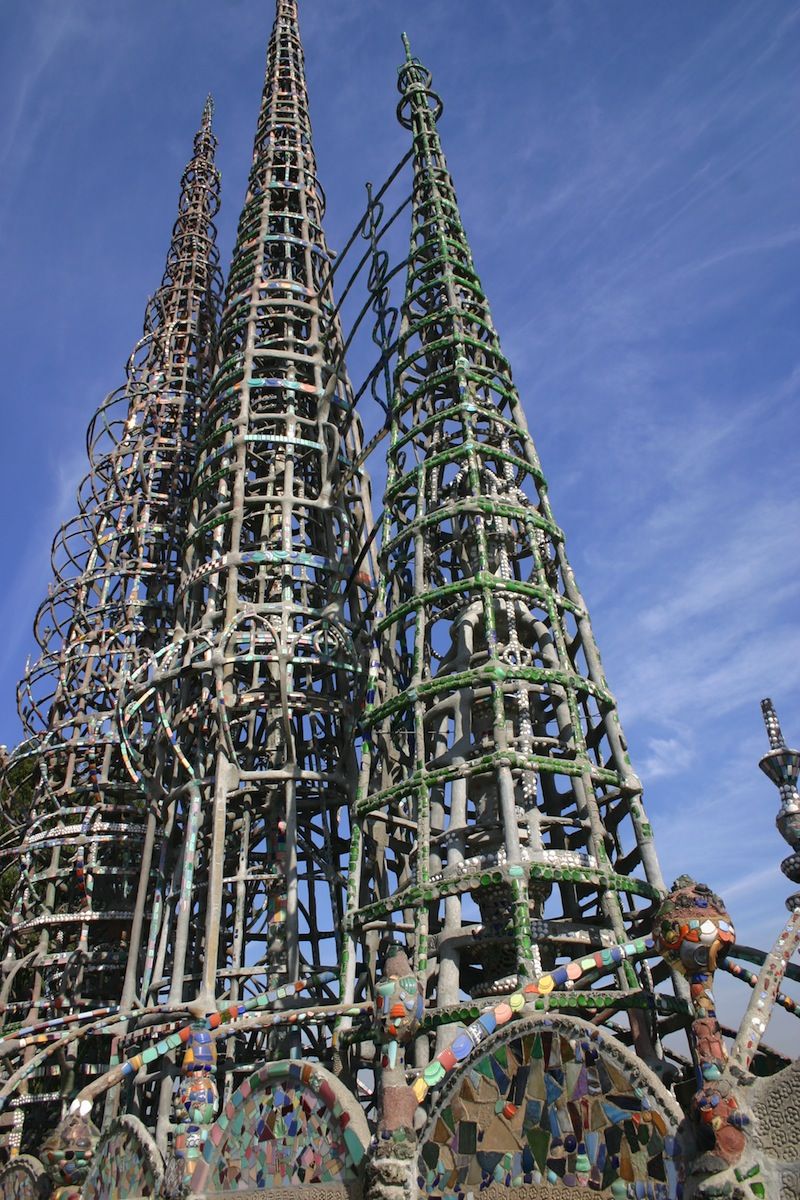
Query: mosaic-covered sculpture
(399,1007)
(372,943)
(127,1163)
(242,727)
(694,932)
(24,1178)
(290,1125)
(68,1153)
(400,1001)
(494,769)
(196,1097)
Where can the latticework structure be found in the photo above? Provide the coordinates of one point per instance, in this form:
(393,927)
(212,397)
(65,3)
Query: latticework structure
(500,828)
(111,604)
(245,724)
(338,877)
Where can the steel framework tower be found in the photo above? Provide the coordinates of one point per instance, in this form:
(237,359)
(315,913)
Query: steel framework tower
(224,929)
(243,726)
(499,828)
(115,567)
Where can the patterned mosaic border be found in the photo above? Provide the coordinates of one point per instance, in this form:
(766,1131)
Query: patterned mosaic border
(309,1191)
(568,975)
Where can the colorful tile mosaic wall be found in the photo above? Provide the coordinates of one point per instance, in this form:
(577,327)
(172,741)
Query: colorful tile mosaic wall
(568,975)
(550,1104)
(23,1178)
(289,1124)
(127,1163)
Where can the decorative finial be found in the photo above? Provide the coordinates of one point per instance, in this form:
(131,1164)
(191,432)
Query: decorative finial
(208,111)
(415,85)
(773,725)
(782,766)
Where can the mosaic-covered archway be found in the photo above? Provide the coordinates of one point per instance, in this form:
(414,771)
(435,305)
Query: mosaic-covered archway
(24,1178)
(127,1164)
(551,1103)
(290,1125)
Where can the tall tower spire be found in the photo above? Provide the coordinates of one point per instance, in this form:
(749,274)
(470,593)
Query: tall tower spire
(782,766)
(257,774)
(499,827)
(111,604)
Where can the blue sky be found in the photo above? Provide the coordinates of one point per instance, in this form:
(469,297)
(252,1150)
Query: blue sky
(628,175)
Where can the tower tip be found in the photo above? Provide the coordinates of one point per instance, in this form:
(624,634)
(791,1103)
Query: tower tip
(407,47)
(208,111)
(772,724)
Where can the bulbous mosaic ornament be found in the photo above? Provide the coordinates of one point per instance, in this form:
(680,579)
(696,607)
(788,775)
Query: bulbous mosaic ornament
(197,1096)
(68,1152)
(400,1002)
(692,928)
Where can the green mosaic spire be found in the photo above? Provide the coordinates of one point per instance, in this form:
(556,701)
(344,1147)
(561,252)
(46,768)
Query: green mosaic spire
(497,801)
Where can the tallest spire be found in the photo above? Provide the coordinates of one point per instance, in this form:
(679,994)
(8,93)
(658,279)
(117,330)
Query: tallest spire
(252,881)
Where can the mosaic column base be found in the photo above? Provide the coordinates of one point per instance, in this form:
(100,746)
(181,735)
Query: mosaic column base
(391,1172)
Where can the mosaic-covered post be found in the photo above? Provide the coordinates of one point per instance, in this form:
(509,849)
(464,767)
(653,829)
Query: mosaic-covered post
(111,603)
(243,725)
(782,766)
(694,932)
(195,1100)
(499,826)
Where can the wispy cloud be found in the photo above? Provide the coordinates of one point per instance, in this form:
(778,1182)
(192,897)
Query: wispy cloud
(667,756)
(50,28)
(28,587)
